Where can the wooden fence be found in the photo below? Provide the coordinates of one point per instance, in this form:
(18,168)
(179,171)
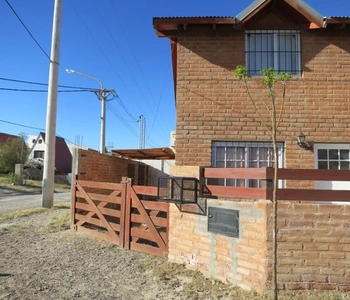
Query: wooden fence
(122,214)
(266,176)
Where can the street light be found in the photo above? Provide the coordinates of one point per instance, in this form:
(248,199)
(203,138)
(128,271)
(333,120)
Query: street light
(102,97)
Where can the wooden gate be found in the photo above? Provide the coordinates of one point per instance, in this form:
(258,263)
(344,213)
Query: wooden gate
(114,212)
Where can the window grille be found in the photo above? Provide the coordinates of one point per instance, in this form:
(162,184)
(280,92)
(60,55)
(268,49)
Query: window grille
(244,155)
(278,49)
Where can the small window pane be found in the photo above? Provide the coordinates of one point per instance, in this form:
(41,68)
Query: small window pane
(322,154)
(344,165)
(333,165)
(344,154)
(322,165)
(220,153)
(333,154)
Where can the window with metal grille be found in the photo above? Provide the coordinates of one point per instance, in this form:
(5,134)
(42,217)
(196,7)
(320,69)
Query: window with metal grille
(244,155)
(278,49)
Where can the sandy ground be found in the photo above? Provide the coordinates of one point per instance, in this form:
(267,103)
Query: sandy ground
(38,262)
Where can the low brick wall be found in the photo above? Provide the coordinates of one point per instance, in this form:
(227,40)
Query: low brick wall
(313,243)
(314,246)
(241,261)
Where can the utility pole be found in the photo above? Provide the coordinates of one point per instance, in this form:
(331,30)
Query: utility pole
(102,94)
(103,121)
(50,137)
(142,131)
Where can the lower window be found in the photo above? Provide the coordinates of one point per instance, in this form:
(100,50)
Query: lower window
(244,155)
(39,154)
(332,157)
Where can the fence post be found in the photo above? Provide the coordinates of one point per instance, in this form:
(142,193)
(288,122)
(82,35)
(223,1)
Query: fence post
(73,202)
(127,213)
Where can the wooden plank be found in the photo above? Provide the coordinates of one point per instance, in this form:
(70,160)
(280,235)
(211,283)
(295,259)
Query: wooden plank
(313,195)
(238,192)
(100,185)
(141,233)
(91,212)
(106,211)
(98,213)
(122,215)
(145,190)
(97,222)
(74,198)
(156,220)
(268,173)
(250,173)
(97,234)
(137,232)
(112,198)
(166,236)
(127,215)
(155,205)
(156,236)
(146,249)
(314,174)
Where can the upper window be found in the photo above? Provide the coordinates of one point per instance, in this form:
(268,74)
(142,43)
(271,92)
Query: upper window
(278,49)
(244,155)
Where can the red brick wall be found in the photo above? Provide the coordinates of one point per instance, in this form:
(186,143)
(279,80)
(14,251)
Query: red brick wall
(95,166)
(212,105)
(314,246)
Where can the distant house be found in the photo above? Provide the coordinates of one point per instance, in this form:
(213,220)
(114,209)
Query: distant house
(4,137)
(63,157)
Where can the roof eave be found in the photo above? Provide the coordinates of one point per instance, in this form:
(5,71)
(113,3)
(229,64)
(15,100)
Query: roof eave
(299,5)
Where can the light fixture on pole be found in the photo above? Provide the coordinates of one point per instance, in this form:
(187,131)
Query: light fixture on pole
(302,143)
(102,95)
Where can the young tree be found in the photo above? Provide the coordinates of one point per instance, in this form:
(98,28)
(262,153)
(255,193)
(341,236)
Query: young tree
(271,123)
(13,151)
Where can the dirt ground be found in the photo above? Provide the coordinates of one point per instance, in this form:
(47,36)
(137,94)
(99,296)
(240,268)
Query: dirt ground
(38,261)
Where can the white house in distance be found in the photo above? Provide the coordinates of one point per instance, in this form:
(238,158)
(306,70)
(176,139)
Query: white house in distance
(63,157)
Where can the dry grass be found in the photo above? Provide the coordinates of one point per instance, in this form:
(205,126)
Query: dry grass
(22,213)
(6,181)
(31,211)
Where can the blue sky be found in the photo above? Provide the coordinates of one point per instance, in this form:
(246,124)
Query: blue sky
(113,41)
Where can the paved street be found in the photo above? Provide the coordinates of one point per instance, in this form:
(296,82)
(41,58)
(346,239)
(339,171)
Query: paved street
(12,201)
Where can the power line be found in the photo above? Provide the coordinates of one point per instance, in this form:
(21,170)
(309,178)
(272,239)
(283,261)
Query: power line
(36,128)
(21,125)
(45,84)
(26,28)
(43,91)
(125,122)
(125,108)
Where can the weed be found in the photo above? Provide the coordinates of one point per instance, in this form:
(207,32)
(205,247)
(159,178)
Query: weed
(61,222)
(22,213)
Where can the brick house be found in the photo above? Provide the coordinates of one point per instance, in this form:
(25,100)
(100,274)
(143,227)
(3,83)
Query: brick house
(213,111)
(217,126)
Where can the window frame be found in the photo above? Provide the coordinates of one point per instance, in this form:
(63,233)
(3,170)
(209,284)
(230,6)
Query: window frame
(247,158)
(274,37)
(39,154)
